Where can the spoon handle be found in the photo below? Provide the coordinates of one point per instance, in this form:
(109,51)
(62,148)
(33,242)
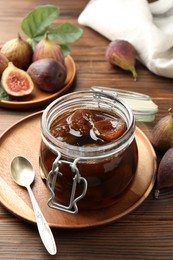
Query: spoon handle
(43,228)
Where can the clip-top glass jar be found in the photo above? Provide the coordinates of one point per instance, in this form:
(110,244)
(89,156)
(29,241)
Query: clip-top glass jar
(87,165)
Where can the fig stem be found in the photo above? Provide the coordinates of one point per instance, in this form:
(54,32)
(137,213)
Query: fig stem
(46,36)
(134,74)
(170,111)
(156,193)
(19,37)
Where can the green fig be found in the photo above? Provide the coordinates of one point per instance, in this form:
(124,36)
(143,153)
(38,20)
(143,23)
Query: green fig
(18,51)
(122,54)
(47,48)
(165,172)
(3,63)
(162,134)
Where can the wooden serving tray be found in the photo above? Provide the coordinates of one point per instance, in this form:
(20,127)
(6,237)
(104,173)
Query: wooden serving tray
(41,98)
(24,138)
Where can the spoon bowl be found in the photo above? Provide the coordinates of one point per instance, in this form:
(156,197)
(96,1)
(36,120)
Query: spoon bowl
(22,171)
(23,174)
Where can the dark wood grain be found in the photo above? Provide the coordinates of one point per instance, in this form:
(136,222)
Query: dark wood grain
(146,233)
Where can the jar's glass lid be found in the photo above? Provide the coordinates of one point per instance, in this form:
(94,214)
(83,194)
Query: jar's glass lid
(144,109)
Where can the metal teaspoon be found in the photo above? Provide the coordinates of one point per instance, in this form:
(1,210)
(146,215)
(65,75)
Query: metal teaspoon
(23,174)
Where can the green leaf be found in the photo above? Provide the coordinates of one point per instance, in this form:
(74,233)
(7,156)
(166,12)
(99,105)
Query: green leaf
(38,22)
(34,41)
(3,94)
(66,33)
(66,49)
(39,19)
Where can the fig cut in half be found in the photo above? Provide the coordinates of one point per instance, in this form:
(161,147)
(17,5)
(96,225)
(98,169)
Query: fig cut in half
(16,82)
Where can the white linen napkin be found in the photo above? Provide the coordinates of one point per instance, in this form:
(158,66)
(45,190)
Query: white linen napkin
(149,27)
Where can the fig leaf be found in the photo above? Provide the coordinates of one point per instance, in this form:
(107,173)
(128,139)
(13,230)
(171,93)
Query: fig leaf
(3,95)
(66,33)
(66,49)
(39,19)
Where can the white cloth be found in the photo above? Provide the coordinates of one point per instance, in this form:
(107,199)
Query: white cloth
(149,27)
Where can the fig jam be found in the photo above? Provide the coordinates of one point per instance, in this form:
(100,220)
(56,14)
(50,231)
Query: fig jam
(104,144)
(86,127)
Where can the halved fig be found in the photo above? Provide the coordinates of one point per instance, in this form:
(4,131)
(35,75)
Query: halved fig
(109,129)
(81,121)
(16,82)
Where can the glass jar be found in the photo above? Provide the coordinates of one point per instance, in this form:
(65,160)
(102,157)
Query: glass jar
(90,176)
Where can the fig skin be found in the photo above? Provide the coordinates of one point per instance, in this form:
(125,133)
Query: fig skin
(18,51)
(165,172)
(122,54)
(3,63)
(16,82)
(162,133)
(47,48)
(48,74)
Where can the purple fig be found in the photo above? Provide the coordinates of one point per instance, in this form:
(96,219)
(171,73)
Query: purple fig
(122,54)
(165,172)
(18,51)
(47,48)
(162,134)
(48,74)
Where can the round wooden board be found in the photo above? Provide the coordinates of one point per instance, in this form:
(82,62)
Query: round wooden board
(24,138)
(40,98)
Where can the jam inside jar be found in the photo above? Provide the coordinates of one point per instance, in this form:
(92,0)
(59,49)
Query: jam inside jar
(91,134)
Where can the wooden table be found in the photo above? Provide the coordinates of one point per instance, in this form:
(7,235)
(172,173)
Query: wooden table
(146,233)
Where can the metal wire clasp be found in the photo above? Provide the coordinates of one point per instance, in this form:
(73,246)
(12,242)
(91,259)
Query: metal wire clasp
(51,182)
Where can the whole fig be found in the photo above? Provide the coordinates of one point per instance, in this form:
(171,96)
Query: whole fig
(165,172)
(122,54)
(47,48)
(3,63)
(16,82)
(48,74)
(18,51)
(162,134)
